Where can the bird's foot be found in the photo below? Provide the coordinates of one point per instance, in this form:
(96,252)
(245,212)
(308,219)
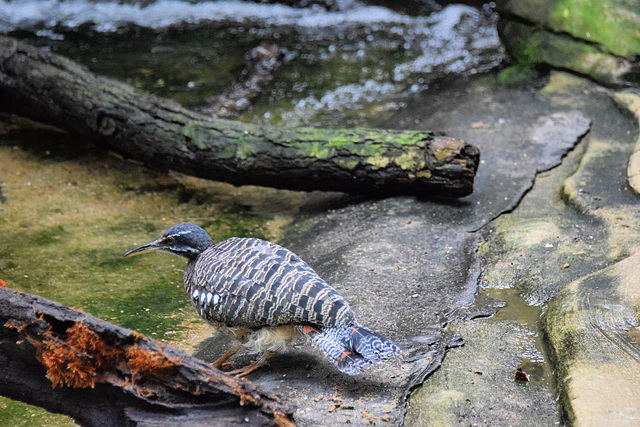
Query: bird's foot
(252,366)
(222,361)
(246,370)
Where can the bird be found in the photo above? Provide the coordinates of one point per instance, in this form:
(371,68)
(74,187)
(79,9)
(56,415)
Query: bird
(263,296)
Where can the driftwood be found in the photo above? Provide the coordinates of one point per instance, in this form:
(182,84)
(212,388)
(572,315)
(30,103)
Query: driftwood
(262,64)
(100,374)
(162,134)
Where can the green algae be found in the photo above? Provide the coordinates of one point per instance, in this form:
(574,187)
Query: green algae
(70,212)
(525,233)
(516,74)
(18,414)
(170,63)
(326,66)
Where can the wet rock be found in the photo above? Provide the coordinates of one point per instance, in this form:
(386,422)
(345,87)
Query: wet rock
(409,267)
(579,219)
(580,214)
(592,327)
(518,132)
(594,38)
(630,100)
(477,385)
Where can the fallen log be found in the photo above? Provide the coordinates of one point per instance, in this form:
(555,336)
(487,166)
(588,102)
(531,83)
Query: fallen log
(162,134)
(100,374)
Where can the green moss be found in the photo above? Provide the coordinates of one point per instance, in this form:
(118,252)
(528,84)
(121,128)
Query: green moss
(613,24)
(534,47)
(515,74)
(320,151)
(351,163)
(378,162)
(411,160)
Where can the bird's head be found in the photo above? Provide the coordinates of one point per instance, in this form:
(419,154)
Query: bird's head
(187,240)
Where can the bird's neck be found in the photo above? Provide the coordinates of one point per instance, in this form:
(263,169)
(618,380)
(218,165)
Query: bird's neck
(188,274)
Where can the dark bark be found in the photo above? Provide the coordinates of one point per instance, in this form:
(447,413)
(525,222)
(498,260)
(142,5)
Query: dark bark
(100,374)
(162,134)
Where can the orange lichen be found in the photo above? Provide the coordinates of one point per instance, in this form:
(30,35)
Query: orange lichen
(89,342)
(235,386)
(3,284)
(149,362)
(145,392)
(76,360)
(80,357)
(12,326)
(282,420)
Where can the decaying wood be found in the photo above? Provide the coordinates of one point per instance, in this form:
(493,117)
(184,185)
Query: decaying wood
(162,134)
(100,374)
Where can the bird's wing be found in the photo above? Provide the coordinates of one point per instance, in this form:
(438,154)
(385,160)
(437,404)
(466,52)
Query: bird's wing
(269,248)
(251,282)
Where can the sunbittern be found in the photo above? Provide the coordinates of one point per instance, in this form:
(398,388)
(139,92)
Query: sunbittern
(263,295)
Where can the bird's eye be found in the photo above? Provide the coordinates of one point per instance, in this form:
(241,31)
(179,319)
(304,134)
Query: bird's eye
(171,240)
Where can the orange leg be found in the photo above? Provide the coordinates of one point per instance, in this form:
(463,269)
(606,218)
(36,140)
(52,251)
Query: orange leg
(252,366)
(233,350)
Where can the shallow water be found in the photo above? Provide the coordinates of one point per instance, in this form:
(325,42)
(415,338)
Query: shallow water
(69,213)
(527,337)
(340,67)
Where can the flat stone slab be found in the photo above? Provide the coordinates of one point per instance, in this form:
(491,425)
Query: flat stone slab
(592,326)
(408,267)
(630,100)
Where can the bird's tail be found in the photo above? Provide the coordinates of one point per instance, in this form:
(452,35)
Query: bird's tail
(351,348)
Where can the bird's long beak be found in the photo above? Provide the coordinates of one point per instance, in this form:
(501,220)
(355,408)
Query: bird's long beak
(149,247)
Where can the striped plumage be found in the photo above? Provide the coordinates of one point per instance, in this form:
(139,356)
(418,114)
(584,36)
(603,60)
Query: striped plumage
(263,294)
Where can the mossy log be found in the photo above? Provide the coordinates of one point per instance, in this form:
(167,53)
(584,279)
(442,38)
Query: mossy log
(100,374)
(162,134)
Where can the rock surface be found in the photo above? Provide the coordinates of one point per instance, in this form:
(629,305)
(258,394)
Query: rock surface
(410,267)
(599,39)
(592,326)
(630,100)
